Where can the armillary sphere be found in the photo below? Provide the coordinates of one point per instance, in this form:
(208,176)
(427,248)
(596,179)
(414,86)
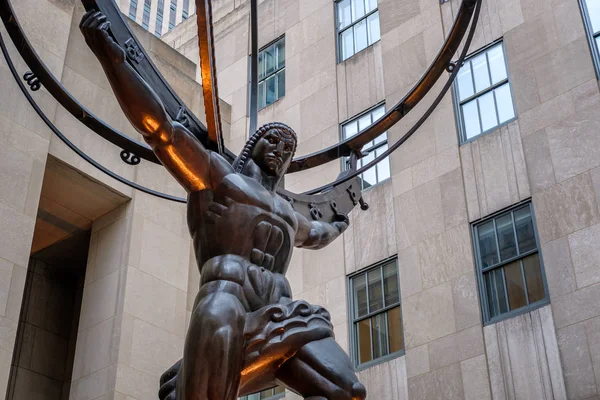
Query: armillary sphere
(325,202)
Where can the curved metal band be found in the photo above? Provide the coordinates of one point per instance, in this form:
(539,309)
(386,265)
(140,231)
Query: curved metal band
(420,122)
(58,91)
(394,115)
(72,146)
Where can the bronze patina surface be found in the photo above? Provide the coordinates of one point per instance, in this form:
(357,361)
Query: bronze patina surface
(246,333)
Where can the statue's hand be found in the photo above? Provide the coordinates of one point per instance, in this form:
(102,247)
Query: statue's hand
(342,222)
(94,27)
(168,382)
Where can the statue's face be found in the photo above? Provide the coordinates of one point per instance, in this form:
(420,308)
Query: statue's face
(273,152)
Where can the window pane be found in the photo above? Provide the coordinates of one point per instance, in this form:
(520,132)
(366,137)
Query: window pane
(488,111)
(280,54)
(494,283)
(281,84)
(360,36)
(593,7)
(371,5)
(379,326)
(374,29)
(390,283)
(598,42)
(515,285)
(347,43)
(350,129)
(533,276)
(487,244)
(370,176)
(364,122)
(465,82)
(269,60)
(375,288)
(279,389)
(525,233)
(480,73)
(378,113)
(360,296)
(344,14)
(380,139)
(395,330)
(471,117)
(383,168)
(358,9)
(261,95)
(497,64)
(271,89)
(504,101)
(364,341)
(506,237)
(261,65)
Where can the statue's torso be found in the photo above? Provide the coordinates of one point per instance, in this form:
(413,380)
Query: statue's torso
(242,217)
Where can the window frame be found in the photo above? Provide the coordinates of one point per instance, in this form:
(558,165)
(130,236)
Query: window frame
(483,298)
(591,36)
(273,397)
(160,9)
(459,115)
(344,160)
(352,321)
(133,9)
(146,14)
(173,14)
(275,72)
(351,26)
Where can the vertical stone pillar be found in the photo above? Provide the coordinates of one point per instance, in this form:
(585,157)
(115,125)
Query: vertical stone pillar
(24,141)
(133,315)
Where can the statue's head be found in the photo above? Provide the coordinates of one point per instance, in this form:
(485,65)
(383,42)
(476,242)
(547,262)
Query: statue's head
(271,148)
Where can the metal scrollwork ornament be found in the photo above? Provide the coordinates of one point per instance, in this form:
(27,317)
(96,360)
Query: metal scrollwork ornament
(129,158)
(133,51)
(33,81)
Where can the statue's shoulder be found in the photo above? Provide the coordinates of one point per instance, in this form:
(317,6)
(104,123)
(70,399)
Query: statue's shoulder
(219,166)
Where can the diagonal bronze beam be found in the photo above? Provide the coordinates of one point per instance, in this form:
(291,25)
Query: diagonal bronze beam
(208,69)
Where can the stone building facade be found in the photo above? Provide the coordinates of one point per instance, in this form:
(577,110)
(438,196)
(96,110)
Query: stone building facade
(520,321)
(157,16)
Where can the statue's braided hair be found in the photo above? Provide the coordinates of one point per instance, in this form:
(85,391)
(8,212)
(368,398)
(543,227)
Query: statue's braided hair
(246,153)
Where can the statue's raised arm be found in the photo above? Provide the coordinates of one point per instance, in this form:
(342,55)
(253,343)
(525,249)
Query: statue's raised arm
(194,167)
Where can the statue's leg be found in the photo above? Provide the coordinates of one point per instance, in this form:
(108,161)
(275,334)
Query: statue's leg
(321,370)
(214,346)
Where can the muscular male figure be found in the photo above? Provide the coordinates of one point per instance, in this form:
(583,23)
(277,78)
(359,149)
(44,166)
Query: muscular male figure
(243,235)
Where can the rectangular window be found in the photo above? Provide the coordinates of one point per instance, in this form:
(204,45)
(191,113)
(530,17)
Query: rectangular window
(509,269)
(482,93)
(269,394)
(146,15)
(271,73)
(186,9)
(132,9)
(376,314)
(591,15)
(173,14)
(159,17)
(357,26)
(381,171)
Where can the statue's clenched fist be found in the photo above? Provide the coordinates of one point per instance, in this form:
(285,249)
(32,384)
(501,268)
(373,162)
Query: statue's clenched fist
(94,26)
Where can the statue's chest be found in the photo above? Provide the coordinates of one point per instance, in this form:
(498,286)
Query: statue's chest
(238,189)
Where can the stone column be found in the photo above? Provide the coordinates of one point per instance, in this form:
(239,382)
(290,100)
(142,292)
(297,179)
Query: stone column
(24,141)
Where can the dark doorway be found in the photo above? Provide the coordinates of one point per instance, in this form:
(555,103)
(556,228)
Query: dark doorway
(45,346)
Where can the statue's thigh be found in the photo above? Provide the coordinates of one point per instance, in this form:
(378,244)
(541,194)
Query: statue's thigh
(322,369)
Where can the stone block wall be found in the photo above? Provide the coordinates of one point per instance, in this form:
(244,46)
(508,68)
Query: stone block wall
(423,214)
